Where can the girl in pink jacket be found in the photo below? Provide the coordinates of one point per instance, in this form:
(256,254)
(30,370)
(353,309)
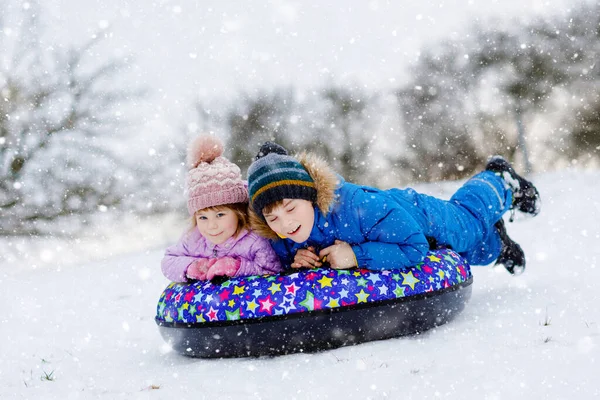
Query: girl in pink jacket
(220,242)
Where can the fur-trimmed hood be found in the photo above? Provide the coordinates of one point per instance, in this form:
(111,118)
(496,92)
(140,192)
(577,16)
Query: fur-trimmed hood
(326,181)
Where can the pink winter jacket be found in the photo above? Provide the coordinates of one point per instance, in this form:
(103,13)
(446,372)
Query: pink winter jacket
(256,255)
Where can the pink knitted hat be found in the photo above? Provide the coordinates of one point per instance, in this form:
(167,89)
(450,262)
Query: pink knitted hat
(212,180)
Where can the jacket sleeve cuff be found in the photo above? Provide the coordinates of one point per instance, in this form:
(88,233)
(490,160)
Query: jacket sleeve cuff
(359,256)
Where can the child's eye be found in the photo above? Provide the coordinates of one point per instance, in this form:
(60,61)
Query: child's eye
(202,218)
(219,215)
(272,219)
(291,209)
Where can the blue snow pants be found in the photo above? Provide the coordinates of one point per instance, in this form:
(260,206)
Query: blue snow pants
(466,221)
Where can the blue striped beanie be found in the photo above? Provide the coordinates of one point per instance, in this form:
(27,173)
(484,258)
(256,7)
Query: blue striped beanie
(274,176)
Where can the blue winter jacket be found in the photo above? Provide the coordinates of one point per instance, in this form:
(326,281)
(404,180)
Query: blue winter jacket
(389,229)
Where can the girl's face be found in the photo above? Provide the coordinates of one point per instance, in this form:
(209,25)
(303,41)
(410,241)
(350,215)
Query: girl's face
(217,225)
(293,219)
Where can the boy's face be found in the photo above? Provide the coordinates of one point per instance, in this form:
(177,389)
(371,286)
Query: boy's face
(293,219)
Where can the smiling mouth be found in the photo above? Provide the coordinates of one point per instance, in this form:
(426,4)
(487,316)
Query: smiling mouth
(295,230)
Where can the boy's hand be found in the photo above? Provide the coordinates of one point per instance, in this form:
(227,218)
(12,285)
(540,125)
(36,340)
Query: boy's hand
(339,256)
(306,258)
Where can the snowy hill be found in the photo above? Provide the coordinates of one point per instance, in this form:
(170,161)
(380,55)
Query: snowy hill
(74,331)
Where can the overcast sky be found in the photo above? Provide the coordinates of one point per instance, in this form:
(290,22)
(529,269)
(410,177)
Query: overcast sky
(192,49)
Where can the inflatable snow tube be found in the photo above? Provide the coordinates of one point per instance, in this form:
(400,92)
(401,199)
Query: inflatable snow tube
(311,310)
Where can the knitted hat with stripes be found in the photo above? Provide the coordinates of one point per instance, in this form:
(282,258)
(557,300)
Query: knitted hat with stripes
(274,176)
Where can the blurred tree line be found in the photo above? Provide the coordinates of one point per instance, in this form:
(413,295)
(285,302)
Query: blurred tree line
(466,99)
(60,120)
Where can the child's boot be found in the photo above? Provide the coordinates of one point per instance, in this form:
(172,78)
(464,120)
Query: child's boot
(526,197)
(511,255)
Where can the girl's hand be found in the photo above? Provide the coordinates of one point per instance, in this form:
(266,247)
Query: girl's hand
(199,268)
(226,266)
(339,256)
(306,258)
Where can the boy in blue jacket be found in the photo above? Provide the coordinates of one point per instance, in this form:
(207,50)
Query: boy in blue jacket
(313,216)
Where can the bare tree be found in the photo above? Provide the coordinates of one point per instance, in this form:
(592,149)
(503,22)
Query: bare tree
(259,118)
(337,126)
(57,107)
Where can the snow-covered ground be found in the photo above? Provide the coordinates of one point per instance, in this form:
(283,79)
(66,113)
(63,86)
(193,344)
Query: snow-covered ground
(86,330)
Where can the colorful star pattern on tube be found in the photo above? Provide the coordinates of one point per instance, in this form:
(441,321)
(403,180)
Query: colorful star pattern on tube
(306,290)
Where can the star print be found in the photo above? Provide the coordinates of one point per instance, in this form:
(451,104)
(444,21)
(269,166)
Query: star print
(383,289)
(212,314)
(287,305)
(450,259)
(185,305)
(198,297)
(275,287)
(232,315)
(399,291)
(225,294)
(192,310)
(257,292)
(362,296)
(333,303)
(227,283)
(409,280)
(311,276)
(188,296)
(345,281)
(309,301)
(343,293)
(239,290)
(441,274)
(318,304)
(251,306)
(231,303)
(325,281)
(361,282)
(434,258)
(291,289)
(374,278)
(266,305)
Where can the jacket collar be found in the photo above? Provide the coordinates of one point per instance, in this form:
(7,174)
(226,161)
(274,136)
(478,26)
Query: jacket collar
(229,243)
